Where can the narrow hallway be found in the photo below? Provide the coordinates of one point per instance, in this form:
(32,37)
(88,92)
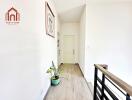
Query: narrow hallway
(72,87)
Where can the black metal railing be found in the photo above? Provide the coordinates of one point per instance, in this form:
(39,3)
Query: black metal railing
(102,91)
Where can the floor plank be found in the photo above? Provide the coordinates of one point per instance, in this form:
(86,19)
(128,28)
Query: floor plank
(72,87)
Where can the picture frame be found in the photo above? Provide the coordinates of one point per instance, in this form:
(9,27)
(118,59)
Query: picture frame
(49,21)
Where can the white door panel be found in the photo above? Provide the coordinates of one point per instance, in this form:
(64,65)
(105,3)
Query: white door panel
(68,49)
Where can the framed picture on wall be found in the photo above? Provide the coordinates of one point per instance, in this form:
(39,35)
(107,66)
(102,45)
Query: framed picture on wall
(49,21)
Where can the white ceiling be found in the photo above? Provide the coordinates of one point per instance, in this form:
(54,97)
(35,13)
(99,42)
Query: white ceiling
(72,15)
(69,10)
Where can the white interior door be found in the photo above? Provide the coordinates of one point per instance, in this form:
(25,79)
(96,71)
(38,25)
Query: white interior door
(68,49)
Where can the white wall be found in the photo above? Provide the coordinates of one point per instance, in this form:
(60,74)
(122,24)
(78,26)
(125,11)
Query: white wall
(70,29)
(48,45)
(108,38)
(58,43)
(82,40)
(26,52)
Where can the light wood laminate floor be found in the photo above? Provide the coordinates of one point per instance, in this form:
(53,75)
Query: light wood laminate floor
(72,87)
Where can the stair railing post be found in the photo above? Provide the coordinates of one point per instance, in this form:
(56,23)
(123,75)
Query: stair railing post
(95,82)
(128,97)
(103,82)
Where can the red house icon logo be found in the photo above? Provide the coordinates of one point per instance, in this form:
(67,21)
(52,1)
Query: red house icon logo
(12,16)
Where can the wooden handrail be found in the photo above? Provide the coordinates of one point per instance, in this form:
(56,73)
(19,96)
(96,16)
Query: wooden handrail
(126,87)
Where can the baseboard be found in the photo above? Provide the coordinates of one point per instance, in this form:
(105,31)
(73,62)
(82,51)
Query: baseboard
(89,84)
(91,87)
(79,68)
(47,93)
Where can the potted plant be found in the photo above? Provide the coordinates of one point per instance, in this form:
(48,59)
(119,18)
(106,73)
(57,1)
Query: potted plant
(55,80)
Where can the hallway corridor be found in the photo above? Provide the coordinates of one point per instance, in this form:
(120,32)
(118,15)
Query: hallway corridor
(72,87)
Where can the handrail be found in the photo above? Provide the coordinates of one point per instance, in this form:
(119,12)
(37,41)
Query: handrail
(126,87)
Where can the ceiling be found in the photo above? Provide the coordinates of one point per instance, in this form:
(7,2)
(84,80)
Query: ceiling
(72,15)
(69,10)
